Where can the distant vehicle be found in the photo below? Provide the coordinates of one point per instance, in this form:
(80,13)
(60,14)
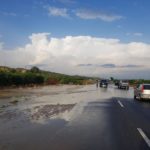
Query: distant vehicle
(142,91)
(116,83)
(123,84)
(104,83)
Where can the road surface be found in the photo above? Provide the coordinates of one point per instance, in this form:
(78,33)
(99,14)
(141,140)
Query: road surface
(76,118)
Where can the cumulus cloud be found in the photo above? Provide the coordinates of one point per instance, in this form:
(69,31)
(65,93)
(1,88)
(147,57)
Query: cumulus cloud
(110,56)
(62,12)
(91,14)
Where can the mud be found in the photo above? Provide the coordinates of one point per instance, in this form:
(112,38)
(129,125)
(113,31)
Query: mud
(48,111)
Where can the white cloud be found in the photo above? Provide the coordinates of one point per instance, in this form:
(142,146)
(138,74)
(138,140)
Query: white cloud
(90,14)
(9,14)
(66,1)
(138,34)
(83,14)
(65,54)
(62,12)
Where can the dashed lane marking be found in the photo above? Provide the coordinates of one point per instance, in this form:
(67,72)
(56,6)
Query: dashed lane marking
(120,104)
(146,139)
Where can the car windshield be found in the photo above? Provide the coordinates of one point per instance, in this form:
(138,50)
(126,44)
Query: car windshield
(68,74)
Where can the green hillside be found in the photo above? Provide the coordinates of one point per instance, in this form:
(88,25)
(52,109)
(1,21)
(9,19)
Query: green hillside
(35,76)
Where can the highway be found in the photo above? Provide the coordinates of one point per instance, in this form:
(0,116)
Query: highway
(101,119)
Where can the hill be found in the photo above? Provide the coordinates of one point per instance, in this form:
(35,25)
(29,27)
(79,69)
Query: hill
(35,76)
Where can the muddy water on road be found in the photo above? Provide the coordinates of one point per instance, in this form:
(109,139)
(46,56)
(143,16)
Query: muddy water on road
(29,116)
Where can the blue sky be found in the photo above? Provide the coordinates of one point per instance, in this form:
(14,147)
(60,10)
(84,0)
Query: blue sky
(121,24)
(20,18)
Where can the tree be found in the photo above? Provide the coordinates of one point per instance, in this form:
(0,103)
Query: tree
(39,79)
(35,69)
(16,79)
(111,78)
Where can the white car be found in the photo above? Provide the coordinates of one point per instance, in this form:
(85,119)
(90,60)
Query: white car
(142,91)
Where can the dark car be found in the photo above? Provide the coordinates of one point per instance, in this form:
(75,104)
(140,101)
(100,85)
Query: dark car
(116,83)
(104,83)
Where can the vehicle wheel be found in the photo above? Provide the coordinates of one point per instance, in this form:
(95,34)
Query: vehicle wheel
(139,98)
(127,88)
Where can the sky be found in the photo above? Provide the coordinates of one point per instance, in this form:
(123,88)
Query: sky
(100,38)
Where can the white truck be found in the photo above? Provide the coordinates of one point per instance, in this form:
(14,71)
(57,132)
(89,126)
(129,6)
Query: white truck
(123,84)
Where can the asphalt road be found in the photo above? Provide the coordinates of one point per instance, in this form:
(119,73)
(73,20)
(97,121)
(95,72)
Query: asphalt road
(110,120)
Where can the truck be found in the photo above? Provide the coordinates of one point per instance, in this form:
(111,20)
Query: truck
(123,84)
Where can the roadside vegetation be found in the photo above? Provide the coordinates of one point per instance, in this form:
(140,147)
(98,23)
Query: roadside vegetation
(139,81)
(35,76)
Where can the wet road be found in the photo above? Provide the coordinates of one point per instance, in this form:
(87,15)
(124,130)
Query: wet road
(74,118)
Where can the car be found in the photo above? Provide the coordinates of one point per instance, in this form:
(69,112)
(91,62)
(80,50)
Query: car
(104,83)
(116,83)
(142,91)
(123,84)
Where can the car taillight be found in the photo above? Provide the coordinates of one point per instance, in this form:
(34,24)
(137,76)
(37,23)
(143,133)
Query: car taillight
(142,90)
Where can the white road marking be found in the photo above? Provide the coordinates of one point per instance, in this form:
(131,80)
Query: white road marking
(120,104)
(147,140)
